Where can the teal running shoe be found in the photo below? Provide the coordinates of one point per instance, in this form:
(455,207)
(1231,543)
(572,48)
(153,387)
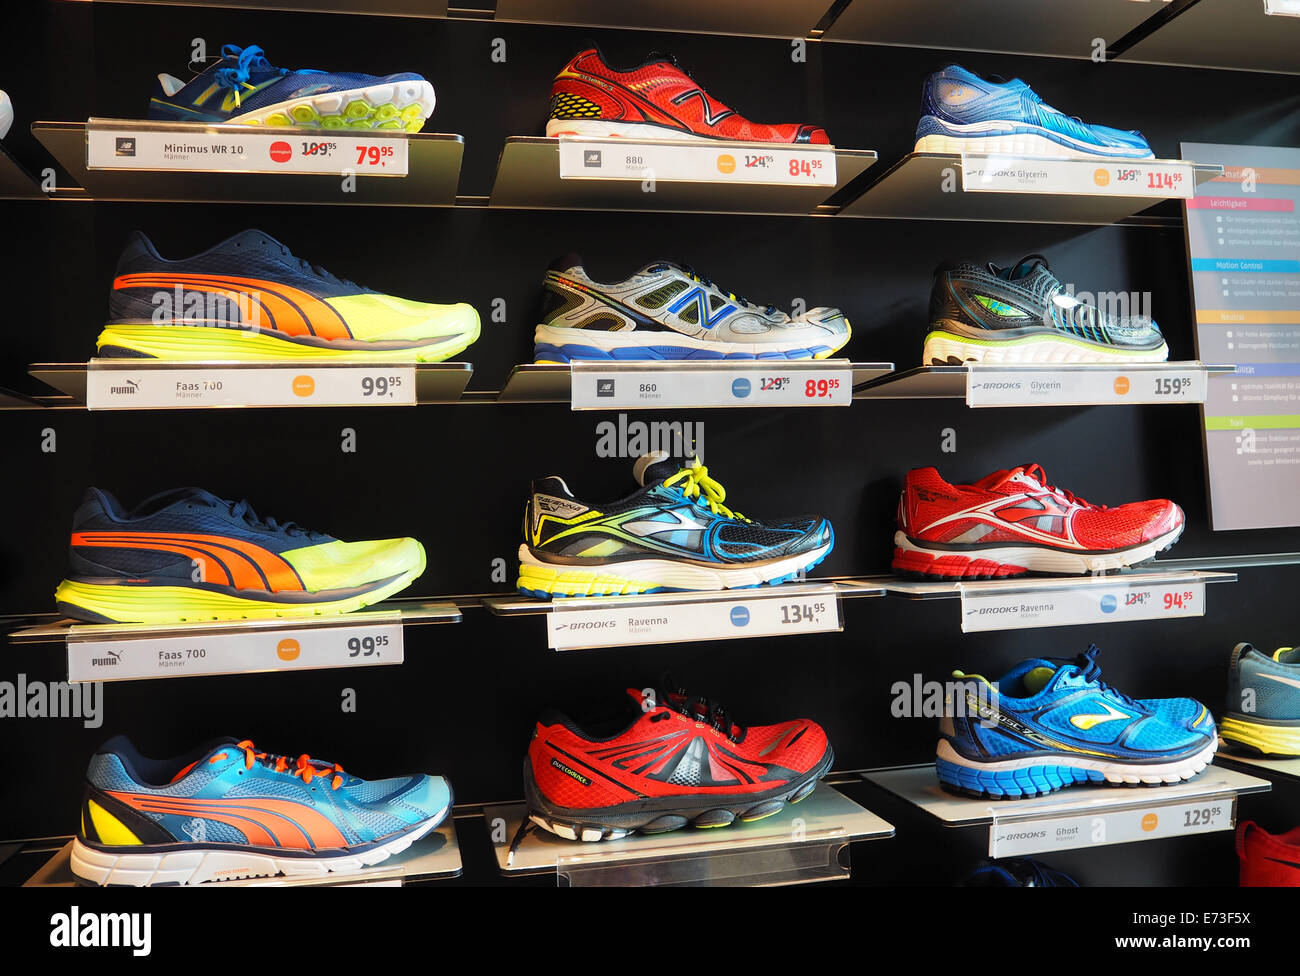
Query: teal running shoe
(1263,715)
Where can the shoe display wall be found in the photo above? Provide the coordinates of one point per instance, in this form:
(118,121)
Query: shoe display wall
(515,519)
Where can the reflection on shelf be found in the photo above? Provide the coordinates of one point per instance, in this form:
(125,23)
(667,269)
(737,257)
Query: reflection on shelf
(528,177)
(433,159)
(804,842)
(433,857)
(929,186)
(1263,765)
(1080,816)
(691,384)
(769,18)
(388,8)
(1223,34)
(1049,385)
(15,182)
(952,589)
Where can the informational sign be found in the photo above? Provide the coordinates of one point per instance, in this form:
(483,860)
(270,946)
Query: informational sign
(1101,827)
(1081,603)
(623,386)
(1032,386)
(695,162)
(1029,174)
(135,385)
(1243,241)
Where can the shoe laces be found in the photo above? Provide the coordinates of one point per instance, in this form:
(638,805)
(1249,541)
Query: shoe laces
(1036,472)
(247,60)
(243,511)
(700,709)
(315,269)
(304,767)
(694,482)
(1089,670)
(708,283)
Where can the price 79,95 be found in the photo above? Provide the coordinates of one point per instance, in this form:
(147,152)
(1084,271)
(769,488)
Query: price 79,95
(375,155)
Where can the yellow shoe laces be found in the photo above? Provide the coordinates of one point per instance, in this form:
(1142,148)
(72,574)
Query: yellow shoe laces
(696,482)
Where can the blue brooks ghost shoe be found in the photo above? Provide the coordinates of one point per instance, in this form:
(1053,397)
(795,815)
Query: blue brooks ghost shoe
(964,113)
(225,811)
(1263,715)
(242,87)
(1047,725)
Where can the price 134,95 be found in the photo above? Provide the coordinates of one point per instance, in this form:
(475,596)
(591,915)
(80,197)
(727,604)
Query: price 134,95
(802,613)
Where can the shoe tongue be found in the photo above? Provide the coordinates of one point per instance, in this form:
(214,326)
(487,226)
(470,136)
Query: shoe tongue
(1039,676)
(652,468)
(165,499)
(656,267)
(1287,655)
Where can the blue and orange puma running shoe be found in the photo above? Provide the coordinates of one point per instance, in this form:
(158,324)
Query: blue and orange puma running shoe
(186,555)
(248,299)
(1046,724)
(242,87)
(225,811)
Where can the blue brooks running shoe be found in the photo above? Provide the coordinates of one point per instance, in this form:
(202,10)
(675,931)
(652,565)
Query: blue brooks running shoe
(1046,725)
(242,87)
(225,811)
(964,113)
(672,533)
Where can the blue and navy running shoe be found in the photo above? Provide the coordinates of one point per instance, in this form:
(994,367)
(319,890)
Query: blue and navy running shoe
(672,533)
(964,113)
(1263,715)
(1017,872)
(225,811)
(242,87)
(187,555)
(1045,725)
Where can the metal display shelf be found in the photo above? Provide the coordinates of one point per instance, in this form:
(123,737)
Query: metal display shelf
(764,18)
(528,177)
(386,8)
(546,383)
(434,857)
(804,842)
(952,589)
(912,188)
(1262,765)
(1234,34)
(432,180)
(15,182)
(1063,28)
(434,382)
(949,382)
(1080,816)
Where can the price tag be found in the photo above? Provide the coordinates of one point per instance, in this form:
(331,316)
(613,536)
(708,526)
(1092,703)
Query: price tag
(1087,602)
(94,658)
(818,383)
(583,623)
(1282,8)
(197,148)
(137,385)
(1031,386)
(1065,833)
(1160,179)
(695,162)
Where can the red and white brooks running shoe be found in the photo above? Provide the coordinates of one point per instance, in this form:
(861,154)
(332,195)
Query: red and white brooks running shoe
(654,100)
(1013,522)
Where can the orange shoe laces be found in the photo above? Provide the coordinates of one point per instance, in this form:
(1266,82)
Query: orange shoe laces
(304,767)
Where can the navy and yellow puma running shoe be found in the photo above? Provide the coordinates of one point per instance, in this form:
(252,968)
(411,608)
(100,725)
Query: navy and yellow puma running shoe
(672,533)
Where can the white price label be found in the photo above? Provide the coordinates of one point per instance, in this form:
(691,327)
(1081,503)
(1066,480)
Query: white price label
(198,148)
(1065,833)
(1084,603)
(801,610)
(823,383)
(1028,386)
(133,385)
(174,656)
(1160,179)
(698,162)
(1282,8)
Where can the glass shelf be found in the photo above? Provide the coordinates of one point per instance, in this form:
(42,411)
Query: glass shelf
(952,589)
(767,18)
(15,182)
(1235,34)
(1262,765)
(387,8)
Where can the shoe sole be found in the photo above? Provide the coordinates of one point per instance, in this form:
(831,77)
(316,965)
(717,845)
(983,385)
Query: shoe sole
(402,105)
(984,138)
(1278,739)
(191,343)
(542,579)
(947,349)
(1016,779)
(149,867)
(659,815)
(913,559)
(600,129)
(556,344)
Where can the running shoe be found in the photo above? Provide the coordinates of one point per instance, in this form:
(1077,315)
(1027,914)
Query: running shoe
(242,87)
(1014,522)
(225,811)
(1263,714)
(1017,872)
(964,113)
(6,114)
(1045,725)
(186,554)
(667,311)
(652,100)
(1021,314)
(1268,860)
(248,299)
(675,759)
(672,533)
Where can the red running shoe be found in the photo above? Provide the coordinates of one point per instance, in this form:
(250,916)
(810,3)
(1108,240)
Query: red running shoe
(1013,522)
(1268,860)
(680,761)
(655,100)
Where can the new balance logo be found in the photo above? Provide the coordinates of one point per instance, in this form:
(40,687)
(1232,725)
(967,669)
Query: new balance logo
(700,299)
(706,107)
(604,388)
(124,147)
(591,157)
